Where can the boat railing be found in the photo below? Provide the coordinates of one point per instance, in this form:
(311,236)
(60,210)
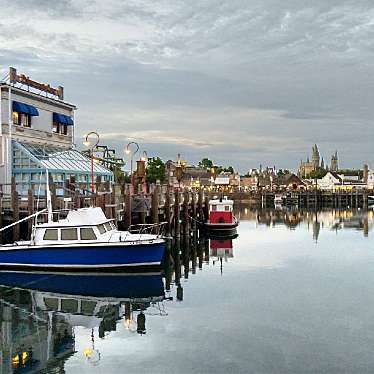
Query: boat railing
(151,228)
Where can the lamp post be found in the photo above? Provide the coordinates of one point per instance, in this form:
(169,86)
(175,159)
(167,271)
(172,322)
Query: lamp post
(128,152)
(91,145)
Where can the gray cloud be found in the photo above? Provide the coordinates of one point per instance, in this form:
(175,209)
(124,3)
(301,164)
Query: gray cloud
(242,82)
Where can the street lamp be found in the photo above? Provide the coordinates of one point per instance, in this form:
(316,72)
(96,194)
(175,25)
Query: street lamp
(91,145)
(128,152)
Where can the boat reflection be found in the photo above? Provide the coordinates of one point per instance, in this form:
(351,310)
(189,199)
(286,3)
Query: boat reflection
(39,313)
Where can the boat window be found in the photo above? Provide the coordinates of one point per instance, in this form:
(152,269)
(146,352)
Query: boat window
(88,307)
(214,208)
(69,234)
(87,233)
(113,225)
(101,228)
(107,226)
(227,208)
(50,234)
(69,305)
(51,303)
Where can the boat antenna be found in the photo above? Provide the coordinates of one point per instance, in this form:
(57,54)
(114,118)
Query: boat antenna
(49,198)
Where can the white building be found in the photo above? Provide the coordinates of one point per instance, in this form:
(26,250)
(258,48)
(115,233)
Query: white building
(37,134)
(338,181)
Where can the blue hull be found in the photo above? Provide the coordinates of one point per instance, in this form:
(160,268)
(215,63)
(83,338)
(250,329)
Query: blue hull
(94,285)
(89,257)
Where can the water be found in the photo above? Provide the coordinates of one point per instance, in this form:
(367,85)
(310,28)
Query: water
(294,294)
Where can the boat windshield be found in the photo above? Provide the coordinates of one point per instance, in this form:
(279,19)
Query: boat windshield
(108,226)
(101,228)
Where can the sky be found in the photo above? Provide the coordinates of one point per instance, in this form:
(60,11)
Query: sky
(243,82)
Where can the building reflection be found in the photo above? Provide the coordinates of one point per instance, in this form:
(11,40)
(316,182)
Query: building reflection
(37,327)
(315,220)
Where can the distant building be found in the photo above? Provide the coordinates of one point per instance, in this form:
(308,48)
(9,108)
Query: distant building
(348,180)
(334,162)
(306,167)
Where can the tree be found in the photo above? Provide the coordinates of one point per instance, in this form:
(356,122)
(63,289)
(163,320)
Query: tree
(206,163)
(155,170)
(317,174)
(282,172)
(230,170)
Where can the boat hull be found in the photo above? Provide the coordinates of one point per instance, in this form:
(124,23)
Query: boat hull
(103,257)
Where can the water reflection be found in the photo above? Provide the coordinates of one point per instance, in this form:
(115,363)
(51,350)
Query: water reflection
(39,313)
(316,220)
(61,322)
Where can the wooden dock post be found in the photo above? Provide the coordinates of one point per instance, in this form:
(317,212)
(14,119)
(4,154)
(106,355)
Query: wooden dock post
(167,211)
(193,210)
(128,200)
(155,203)
(30,209)
(15,209)
(200,205)
(186,215)
(177,226)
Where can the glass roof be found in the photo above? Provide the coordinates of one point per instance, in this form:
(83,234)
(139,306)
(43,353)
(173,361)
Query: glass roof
(57,159)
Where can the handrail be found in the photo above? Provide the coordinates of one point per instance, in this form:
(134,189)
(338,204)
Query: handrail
(23,219)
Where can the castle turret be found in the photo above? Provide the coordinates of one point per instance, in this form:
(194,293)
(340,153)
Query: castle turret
(315,156)
(334,162)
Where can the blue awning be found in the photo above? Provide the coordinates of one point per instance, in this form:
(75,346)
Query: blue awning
(61,118)
(25,108)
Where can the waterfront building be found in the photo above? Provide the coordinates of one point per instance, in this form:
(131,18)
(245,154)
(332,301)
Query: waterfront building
(342,181)
(37,129)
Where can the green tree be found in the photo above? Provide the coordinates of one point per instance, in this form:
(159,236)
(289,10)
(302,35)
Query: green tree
(282,172)
(229,169)
(317,174)
(155,170)
(206,163)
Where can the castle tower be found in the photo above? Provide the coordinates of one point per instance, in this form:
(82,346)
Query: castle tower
(334,162)
(315,156)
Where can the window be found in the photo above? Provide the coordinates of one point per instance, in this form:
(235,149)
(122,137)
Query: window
(227,208)
(214,208)
(50,234)
(87,233)
(69,305)
(101,228)
(113,225)
(107,226)
(60,128)
(21,119)
(69,234)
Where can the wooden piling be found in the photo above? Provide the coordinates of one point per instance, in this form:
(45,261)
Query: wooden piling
(177,228)
(155,203)
(30,210)
(128,200)
(15,208)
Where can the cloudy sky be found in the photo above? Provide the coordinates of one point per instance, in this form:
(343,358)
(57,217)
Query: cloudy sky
(243,82)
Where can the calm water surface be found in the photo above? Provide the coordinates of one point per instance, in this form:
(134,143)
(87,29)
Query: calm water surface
(293,293)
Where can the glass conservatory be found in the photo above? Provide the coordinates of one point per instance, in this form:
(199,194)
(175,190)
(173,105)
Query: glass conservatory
(30,162)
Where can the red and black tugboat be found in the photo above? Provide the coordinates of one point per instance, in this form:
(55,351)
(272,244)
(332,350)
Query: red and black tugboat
(221,220)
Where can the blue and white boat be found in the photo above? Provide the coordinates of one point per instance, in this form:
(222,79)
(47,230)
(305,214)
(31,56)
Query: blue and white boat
(85,240)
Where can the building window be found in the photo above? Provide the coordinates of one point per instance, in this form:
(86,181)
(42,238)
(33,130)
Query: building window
(60,128)
(21,119)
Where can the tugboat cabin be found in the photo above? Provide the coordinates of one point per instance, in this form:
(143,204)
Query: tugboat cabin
(221,211)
